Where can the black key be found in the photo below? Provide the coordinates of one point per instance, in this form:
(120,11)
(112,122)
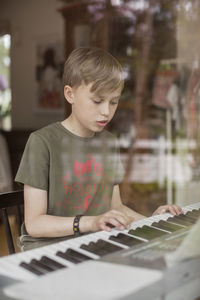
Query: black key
(31,268)
(36,267)
(94,248)
(91,246)
(186,218)
(52,263)
(192,217)
(125,239)
(194,213)
(80,256)
(101,247)
(41,266)
(167,226)
(98,248)
(73,256)
(147,232)
(178,220)
(67,257)
(109,247)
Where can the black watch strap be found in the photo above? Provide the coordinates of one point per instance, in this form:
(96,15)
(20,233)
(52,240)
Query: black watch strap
(76,225)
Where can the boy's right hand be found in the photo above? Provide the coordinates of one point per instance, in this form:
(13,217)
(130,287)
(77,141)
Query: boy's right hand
(113,217)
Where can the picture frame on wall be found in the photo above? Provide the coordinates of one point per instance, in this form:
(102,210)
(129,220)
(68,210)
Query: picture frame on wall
(48,74)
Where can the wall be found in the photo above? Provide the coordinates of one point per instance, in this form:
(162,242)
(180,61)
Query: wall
(30,21)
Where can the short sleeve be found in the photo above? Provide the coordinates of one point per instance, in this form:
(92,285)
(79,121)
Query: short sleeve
(34,166)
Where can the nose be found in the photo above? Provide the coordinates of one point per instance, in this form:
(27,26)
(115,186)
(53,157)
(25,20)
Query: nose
(105,109)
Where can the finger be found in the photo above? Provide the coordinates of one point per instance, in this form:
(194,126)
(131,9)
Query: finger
(172,210)
(120,223)
(177,209)
(162,210)
(105,227)
(180,209)
(124,219)
(121,219)
(112,222)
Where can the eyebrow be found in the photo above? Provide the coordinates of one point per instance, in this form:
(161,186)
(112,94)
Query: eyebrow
(114,98)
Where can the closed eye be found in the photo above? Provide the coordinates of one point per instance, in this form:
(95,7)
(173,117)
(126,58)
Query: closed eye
(96,101)
(114,102)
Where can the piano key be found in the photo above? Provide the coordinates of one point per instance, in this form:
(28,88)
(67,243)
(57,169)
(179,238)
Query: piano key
(193,207)
(150,220)
(147,232)
(38,255)
(36,267)
(187,218)
(167,226)
(80,256)
(94,247)
(67,257)
(179,221)
(115,232)
(51,253)
(86,239)
(73,256)
(101,247)
(125,239)
(195,213)
(89,254)
(192,217)
(41,266)
(107,246)
(52,263)
(31,268)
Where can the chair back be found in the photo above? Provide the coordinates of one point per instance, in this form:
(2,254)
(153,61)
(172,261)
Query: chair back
(12,199)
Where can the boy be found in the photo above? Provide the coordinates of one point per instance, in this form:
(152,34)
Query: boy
(71,170)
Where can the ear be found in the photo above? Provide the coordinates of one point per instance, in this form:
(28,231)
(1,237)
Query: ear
(68,93)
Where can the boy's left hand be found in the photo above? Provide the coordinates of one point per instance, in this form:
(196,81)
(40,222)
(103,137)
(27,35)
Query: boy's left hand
(173,209)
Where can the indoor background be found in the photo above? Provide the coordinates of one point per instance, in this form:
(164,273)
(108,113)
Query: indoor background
(157,122)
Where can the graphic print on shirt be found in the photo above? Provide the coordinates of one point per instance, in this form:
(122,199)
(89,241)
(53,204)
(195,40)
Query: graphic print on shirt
(88,186)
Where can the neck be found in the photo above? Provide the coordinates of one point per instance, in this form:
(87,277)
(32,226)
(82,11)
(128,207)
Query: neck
(69,124)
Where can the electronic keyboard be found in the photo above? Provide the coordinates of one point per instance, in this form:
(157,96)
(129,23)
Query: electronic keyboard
(152,234)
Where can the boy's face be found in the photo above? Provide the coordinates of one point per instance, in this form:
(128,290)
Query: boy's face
(91,113)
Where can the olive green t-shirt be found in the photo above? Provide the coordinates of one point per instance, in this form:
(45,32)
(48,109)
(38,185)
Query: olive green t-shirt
(78,173)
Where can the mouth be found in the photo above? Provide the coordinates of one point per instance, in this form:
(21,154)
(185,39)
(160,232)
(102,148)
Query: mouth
(102,123)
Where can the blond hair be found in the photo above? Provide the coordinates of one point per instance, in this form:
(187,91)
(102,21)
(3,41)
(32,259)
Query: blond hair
(93,65)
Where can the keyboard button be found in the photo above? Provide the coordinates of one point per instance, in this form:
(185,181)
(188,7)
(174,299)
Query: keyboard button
(101,247)
(52,263)
(73,256)
(187,219)
(194,212)
(125,239)
(166,226)
(37,267)
(147,232)
(178,220)
(31,268)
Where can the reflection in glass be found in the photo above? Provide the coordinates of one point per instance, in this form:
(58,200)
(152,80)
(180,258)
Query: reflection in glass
(157,121)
